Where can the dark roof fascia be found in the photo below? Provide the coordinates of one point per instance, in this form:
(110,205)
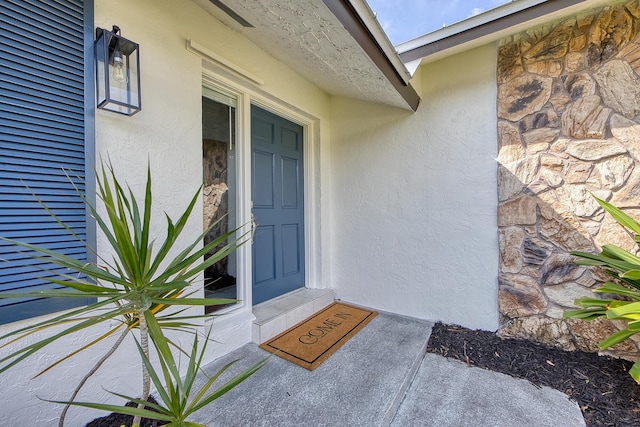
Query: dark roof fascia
(487,28)
(353,23)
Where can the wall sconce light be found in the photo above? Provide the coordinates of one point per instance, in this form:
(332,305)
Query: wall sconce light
(117,72)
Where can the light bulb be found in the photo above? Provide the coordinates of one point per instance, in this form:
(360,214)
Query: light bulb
(118,70)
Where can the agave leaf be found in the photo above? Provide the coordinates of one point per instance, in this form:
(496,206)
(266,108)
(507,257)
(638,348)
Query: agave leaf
(127,410)
(614,288)
(634,325)
(210,248)
(60,222)
(134,279)
(146,221)
(230,384)
(587,314)
(617,252)
(73,353)
(615,338)
(175,392)
(172,286)
(53,293)
(621,217)
(27,351)
(625,267)
(140,236)
(161,344)
(193,301)
(137,228)
(178,395)
(185,258)
(589,262)
(72,281)
(120,222)
(630,308)
(635,284)
(172,233)
(102,225)
(626,317)
(51,213)
(64,318)
(183,265)
(123,246)
(200,400)
(603,260)
(87,203)
(205,388)
(40,327)
(159,408)
(179,326)
(591,302)
(195,362)
(68,262)
(635,371)
(141,228)
(85,286)
(211,260)
(162,393)
(631,274)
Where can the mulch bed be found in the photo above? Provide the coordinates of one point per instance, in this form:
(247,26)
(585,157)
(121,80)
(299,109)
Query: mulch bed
(118,420)
(601,385)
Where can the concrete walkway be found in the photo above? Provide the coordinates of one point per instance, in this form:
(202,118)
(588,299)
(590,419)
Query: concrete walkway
(383,377)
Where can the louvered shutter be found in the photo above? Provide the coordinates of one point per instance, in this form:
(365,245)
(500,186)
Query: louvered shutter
(42,135)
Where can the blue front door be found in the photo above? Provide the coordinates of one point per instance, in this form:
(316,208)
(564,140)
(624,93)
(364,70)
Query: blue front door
(278,211)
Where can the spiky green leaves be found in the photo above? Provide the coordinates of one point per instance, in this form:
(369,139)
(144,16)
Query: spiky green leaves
(135,289)
(624,267)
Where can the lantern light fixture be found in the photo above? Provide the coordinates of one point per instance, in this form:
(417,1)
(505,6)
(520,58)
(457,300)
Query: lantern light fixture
(117,63)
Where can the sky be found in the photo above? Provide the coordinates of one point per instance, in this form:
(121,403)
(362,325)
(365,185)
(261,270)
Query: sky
(404,20)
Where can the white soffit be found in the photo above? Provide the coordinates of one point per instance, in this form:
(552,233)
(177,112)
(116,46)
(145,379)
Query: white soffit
(488,27)
(306,36)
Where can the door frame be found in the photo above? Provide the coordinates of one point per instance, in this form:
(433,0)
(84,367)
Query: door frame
(248,94)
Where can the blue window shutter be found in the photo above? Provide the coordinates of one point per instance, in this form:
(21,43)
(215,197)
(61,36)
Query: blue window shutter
(42,138)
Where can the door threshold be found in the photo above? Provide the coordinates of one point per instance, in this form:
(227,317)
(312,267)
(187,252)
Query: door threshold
(279,314)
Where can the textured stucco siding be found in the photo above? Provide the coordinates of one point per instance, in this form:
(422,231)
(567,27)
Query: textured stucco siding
(414,198)
(166,134)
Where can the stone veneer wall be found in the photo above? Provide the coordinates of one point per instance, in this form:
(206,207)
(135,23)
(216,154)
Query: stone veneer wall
(569,124)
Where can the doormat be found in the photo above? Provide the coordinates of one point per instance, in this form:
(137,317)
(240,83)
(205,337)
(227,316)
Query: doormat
(312,341)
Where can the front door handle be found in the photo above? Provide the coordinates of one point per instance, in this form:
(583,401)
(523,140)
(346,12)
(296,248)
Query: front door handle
(253,226)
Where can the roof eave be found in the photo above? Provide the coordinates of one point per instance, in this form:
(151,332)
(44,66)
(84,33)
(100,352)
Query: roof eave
(480,28)
(362,28)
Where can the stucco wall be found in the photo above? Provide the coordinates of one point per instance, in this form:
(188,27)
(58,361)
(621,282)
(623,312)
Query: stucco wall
(167,133)
(414,197)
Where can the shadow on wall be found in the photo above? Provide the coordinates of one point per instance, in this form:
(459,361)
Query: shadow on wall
(569,125)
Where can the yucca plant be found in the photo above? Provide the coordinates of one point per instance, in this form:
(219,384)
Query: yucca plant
(143,287)
(174,391)
(624,269)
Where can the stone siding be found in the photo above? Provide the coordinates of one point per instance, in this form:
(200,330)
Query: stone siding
(569,125)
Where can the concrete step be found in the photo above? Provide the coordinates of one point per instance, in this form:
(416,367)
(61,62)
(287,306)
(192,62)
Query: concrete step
(281,313)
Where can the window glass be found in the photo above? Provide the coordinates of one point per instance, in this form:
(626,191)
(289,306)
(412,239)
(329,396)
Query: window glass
(219,191)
